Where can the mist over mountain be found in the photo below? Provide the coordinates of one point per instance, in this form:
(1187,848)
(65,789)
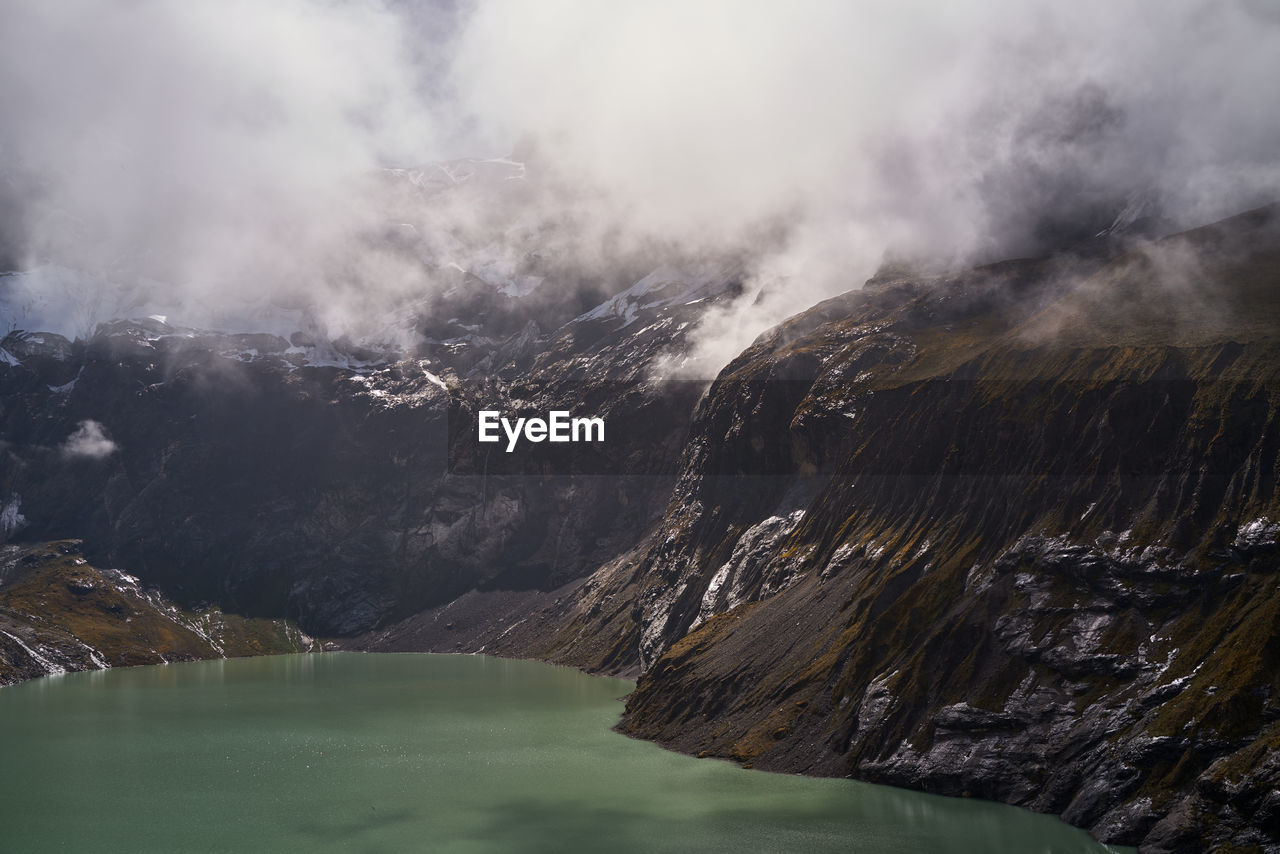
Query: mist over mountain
(212,155)
(937,348)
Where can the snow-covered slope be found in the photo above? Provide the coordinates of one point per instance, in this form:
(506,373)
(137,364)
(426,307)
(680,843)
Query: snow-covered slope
(665,286)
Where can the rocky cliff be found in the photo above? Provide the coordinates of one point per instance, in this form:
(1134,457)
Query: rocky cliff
(1010,533)
(336,485)
(1011,536)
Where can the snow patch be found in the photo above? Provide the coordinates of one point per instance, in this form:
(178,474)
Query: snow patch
(665,286)
(48,666)
(1256,534)
(10,519)
(435,379)
(53,298)
(94,656)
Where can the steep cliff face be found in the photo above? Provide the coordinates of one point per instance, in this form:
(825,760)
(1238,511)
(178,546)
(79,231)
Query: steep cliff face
(1010,534)
(335,485)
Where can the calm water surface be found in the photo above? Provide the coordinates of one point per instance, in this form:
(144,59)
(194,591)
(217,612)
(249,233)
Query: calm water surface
(439,753)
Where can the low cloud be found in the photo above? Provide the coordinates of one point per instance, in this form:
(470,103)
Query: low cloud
(89,441)
(224,159)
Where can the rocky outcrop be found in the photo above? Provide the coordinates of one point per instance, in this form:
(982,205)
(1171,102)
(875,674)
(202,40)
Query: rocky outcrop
(1009,533)
(60,614)
(979,534)
(973,548)
(339,486)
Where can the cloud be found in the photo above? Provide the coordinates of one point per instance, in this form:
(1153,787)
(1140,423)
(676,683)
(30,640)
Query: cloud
(89,442)
(213,151)
(941,132)
(940,124)
(232,149)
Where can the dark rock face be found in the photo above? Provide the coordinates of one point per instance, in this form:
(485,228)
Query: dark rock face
(918,541)
(343,489)
(981,535)
(1010,533)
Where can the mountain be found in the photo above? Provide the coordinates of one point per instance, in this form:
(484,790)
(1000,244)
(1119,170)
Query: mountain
(1009,532)
(338,484)
(59,613)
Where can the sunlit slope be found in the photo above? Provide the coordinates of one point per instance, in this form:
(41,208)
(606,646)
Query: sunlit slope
(59,613)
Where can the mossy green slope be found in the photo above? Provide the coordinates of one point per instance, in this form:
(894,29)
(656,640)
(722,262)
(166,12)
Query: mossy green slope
(59,613)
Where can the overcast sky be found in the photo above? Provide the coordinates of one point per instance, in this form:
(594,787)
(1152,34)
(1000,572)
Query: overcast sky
(225,142)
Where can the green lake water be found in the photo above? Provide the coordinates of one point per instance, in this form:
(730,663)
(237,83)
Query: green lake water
(345,752)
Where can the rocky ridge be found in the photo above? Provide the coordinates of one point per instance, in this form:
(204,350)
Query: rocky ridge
(978,535)
(1008,533)
(985,558)
(337,485)
(61,614)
